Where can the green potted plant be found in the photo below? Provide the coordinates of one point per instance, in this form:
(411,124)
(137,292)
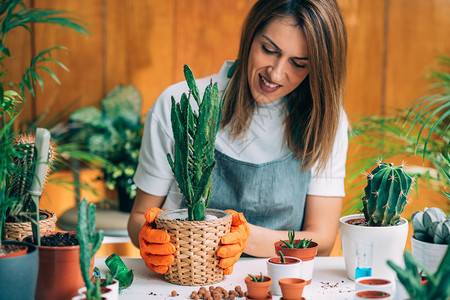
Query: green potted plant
(436,286)
(114,133)
(18,279)
(304,249)
(90,241)
(257,286)
(192,165)
(384,200)
(283,267)
(431,237)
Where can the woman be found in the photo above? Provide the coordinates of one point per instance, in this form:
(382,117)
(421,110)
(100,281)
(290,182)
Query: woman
(282,143)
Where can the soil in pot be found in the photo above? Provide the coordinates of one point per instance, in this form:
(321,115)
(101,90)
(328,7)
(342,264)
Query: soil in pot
(373,295)
(12,250)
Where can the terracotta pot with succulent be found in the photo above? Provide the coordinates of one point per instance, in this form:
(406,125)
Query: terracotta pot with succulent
(437,285)
(196,261)
(115,134)
(304,249)
(282,267)
(380,231)
(431,237)
(258,286)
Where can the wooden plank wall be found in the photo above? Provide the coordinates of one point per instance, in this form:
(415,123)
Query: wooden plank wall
(393,44)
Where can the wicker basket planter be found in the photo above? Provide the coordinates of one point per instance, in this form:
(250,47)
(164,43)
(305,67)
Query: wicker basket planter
(196,242)
(18,231)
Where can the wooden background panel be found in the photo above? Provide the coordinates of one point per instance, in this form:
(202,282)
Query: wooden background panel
(207,34)
(83,58)
(418,31)
(365,29)
(140,46)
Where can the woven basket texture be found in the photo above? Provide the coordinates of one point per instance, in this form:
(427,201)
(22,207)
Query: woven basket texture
(196,242)
(19,231)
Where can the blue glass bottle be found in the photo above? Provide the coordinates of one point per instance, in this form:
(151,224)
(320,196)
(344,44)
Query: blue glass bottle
(363,259)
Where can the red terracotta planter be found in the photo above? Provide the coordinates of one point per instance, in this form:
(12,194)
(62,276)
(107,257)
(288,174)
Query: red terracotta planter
(306,255)
(258,290)
(59,272)
(292,288)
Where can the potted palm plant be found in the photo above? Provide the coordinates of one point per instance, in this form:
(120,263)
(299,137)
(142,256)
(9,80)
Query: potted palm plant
(196,262)
(385,199)
(431,237)
(23,170)
(304,249)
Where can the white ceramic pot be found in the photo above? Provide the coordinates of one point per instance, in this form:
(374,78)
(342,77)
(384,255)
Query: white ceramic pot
(388,243)
(278,271)
(428,255)
(374,284)
(111,294)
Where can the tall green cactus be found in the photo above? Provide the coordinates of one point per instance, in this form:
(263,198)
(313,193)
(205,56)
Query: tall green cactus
(90,241)
(195,135)
(385,194)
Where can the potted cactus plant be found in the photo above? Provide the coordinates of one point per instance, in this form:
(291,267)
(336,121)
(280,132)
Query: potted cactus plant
(431,237)
(192,164)
(283,267)
(380,225)
(305,250)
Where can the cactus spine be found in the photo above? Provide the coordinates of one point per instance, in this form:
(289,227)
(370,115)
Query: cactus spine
(195,134)
(90,241)
(385,194)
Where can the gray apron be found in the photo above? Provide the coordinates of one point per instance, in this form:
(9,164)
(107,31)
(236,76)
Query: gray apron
(271,195)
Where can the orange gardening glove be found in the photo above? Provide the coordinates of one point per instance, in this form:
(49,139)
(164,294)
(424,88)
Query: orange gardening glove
(233,243)
(154,244)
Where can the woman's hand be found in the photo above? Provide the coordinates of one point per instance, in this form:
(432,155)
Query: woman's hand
(142,203)
(320,224)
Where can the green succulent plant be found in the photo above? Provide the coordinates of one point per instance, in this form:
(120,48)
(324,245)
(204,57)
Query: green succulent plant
(302,244)
(385,194)
(90,241)
(255,278)
(437,286)
(431,225)
(195,134)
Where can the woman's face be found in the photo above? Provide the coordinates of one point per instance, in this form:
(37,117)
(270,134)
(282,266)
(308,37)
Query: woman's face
(278,60)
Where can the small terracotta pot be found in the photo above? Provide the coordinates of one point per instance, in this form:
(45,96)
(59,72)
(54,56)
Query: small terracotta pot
(258,290)
(306,255)
(361,295)
(292,288)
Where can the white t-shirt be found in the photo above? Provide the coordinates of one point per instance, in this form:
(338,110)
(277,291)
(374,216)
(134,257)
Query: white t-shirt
(264,142)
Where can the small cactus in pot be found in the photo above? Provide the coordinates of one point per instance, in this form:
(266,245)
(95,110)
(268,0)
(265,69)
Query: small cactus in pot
(195,134)
(431,225)
(385,194)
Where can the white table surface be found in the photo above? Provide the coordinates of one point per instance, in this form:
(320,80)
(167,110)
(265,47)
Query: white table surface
(329,280)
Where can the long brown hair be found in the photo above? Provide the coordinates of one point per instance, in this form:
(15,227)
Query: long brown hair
(314,107)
